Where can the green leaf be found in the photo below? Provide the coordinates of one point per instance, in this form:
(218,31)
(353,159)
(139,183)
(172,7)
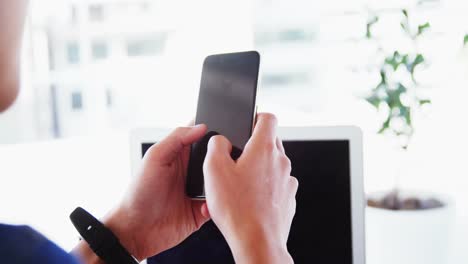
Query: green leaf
(405,111)
(383,77)
(392,61)
(374,100)
(412,65)
(404,59)
(369,26)
(422,28)
(385,125)
(393,96)
(405,23)
(418,60)
(401,88)
(405,12)
(425,101)
(403,26)
(465,39)
(396,60)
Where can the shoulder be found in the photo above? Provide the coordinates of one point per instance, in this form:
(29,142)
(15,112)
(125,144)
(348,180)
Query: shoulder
(22,244)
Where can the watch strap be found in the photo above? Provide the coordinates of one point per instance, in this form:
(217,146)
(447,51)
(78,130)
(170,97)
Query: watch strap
(100,238)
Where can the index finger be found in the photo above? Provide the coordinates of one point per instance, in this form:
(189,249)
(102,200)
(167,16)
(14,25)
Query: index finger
(265,128)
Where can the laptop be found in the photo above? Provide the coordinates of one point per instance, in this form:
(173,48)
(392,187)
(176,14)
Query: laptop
(329,223)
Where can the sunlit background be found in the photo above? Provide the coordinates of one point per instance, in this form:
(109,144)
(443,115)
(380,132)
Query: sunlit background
(95,69)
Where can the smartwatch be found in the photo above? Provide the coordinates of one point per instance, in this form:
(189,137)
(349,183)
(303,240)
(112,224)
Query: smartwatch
(100,238)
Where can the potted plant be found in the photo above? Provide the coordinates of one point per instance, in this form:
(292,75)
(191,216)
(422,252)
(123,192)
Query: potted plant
(403,226)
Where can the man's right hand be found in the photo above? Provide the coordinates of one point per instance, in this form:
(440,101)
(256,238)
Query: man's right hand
(252,200)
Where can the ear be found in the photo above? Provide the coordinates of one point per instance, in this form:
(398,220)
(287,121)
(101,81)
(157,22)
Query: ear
(8,91)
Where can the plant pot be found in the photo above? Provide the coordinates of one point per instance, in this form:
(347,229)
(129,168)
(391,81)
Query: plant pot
(409,236)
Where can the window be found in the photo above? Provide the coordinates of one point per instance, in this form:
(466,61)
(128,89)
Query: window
(73,53)
(292,35)
(150,46)
(109,98)
(96,12)
(145,6)
(76,101)
(265,37)
(74,15)
(284,79)
(99,50)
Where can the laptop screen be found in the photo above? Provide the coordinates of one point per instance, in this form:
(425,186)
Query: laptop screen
(321,229)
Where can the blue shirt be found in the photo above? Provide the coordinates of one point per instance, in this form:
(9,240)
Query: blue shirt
(23,245)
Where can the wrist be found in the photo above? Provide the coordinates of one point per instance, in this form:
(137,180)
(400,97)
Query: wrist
(118,222)
(85,254)
(259,247)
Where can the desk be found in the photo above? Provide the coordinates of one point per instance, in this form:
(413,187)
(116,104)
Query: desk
(43,182)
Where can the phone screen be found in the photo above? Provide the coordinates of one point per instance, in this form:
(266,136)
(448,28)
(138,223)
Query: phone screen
(226,104)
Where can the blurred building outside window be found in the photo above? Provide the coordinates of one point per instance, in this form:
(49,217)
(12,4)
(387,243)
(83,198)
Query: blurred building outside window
(74,15)
(150,49)
(76,101)
(96,12)
(146,47)
(100,50)
(109,98)
(73,53)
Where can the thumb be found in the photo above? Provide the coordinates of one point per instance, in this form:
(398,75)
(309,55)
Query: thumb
(200,213)
(218,156)
(169,148)
(219,148)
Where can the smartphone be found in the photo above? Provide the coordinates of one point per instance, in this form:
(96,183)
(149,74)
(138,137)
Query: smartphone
(227,105)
